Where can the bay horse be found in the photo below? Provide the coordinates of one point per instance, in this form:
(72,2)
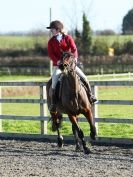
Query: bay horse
(71,99)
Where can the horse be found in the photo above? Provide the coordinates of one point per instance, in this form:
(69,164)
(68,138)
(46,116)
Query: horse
(71,99)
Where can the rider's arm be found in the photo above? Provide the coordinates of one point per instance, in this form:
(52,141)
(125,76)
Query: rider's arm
(51,53)
(72,46)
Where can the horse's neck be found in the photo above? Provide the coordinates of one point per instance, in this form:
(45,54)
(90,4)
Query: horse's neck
(73,82)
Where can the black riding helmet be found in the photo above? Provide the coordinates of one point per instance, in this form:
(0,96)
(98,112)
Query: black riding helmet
(56,25)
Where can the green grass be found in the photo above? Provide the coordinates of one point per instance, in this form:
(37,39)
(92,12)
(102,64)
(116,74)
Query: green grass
(105,111)
(107,77)
(114,38)
(116,111)
(115,92)
(9,42)
(21,42)
(4,78)
(28,42)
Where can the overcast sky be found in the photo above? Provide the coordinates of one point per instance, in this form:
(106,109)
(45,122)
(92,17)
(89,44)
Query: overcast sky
(27,15)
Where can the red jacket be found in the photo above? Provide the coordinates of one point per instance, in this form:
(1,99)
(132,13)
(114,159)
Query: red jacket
(55,48)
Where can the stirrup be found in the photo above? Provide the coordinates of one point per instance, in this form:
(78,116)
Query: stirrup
(93,99)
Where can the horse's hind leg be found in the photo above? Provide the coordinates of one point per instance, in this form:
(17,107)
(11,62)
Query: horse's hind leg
(80,133)
(89,116)
(60,139)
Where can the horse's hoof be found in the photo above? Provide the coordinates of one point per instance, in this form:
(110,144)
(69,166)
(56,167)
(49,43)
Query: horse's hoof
(60,142)
(92,135)
(78,148)
(87,151)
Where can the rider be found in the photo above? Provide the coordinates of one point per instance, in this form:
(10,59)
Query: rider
(59,43)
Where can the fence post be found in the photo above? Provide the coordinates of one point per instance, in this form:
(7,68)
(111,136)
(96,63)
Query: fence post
(95,108)
(43,110)
(0,112)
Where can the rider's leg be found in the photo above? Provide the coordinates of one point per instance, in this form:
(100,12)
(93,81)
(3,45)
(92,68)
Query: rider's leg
(55,77)
(87,84)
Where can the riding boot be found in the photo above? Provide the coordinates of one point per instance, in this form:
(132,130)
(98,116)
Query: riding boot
(91,97)
(52,107)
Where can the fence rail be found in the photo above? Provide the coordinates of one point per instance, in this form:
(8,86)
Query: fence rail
(43,117)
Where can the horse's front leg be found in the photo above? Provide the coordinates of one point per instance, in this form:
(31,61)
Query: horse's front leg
(74,122)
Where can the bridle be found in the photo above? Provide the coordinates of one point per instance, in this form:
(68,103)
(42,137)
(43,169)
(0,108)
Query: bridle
(67,62)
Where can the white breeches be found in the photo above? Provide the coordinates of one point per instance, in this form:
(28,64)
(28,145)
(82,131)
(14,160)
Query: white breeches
(57,72)
(55,76)
(80,73)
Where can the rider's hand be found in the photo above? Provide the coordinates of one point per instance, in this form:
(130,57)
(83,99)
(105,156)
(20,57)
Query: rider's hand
(76,60)
(58,63)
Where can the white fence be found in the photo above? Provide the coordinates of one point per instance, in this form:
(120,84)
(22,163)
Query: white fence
(43,118)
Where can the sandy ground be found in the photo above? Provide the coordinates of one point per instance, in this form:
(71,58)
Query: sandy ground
(39,159)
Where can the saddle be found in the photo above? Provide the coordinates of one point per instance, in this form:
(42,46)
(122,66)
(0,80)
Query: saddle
(58,88)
